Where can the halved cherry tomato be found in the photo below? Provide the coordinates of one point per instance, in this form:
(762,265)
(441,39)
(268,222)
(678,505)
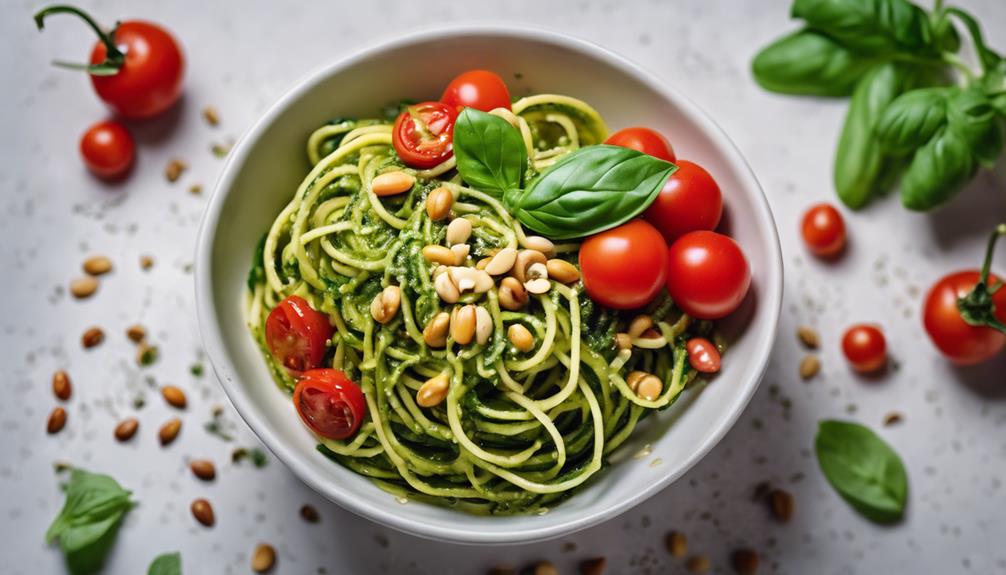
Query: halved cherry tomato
(108,149)
(865,347)
(424,133)
(297,334)
(689,201)
(643,140)
(963,343)
(329,403)
(708,275)
(479,89)
(824,230)
(624,267)
(703,355)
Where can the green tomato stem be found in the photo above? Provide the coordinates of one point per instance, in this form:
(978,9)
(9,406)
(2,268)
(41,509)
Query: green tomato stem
(114,57)
(977,308)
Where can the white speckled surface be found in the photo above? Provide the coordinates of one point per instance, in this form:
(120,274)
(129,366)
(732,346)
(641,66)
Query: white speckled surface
(242,56)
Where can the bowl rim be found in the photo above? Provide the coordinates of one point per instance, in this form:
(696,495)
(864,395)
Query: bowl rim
(770,295)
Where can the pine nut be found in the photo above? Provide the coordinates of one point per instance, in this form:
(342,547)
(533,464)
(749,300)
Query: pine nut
(537,270)
(745,561)
(639,324)
(463,278)
(309,513)
(809,367)
(623,341)
(203,469)
(463,324)
(435,334)
(146,262)
(391,183)
(97,265)
(483,325)
(545,568)
(439,255)
(649,387)
(174,396)
(698,564)
(169,431)
(136,333)
(57,420)
(677,544)
(61,387)
(460,252)
(84,287)
(433,391)
(524,260)
(385,304)
(446,289)
(633,379)
(203,512)
(458,231)
(439,270)
(781,503)
(126,429)
(264,558)
(502,262)
(483,281)
(538,286)
(174,170)
(808,336)
(520,337)
(538,243)
(439,203)
(211,115)
(512,294)
(594,566)
(92,337)
(482,263)
(562,271)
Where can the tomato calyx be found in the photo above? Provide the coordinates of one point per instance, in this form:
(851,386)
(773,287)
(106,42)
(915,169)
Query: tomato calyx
(114,57)
(977,308)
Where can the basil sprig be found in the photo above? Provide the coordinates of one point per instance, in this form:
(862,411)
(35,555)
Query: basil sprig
(908,117)
(863,469)
(588,191)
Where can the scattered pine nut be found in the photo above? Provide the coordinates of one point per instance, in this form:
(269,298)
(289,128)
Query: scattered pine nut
(677,544)
(146,262)
(126,429)
(196,189)
(203,469)
(545,568)
(174,396)
(745,561)
(97,265)
(698,564)
(781,504)
(57,420)
(84,287)
(169,431)
(61,386)
(211,115)
(593,566)
(92,337)
(174,170)
(264,558)
(203,512)
(893,418)
(808,336)
(309,513)
(810,365)
(136,333)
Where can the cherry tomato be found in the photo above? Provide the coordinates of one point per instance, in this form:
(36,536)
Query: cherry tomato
(329,403)
(297,334)
(824,230)
(703,355)
(424,133)
(624,267)
(707,275)
(689,201)
(963,343)
(865,348)
(108,149)
(643,140)
(479,89)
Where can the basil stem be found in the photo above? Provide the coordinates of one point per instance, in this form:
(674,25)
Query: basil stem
(977,308)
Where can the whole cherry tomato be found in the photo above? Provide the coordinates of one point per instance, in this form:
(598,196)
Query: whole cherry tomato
(865,347)
(423,135)
(689,201)
(643,140)
(329,403)
(136,69)
(824,230)
(703,355)
(707,275)
(624,267)
(963,343)
(297,334)
(108,149)
(479,89)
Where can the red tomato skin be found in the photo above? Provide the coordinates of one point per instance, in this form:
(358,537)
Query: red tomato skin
(643,140)
(412,148)
(865,347)
(479,89)
(329,403)
(624,267)
(823,230)
(150,81)
(108,149)
(963,343)
(297,334)
(689,201)
(707,274)
(703,355)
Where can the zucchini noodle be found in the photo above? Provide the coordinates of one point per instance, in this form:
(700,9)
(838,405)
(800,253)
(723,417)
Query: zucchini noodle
(518,431)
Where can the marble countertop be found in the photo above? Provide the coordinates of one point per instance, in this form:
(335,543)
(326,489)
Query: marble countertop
(242,56)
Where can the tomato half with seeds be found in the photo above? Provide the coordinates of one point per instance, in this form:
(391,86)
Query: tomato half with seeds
(479,89)
(297,334)
(329,403)
(643,140)
(963,343)
(423,135)
(624,267)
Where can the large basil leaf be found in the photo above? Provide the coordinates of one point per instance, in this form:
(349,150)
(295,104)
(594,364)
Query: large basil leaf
(490,152)
(938,171)
(863,469)
(859,160)
(875,26)
(971,114)
(912,119)
(591,190)
(808,63)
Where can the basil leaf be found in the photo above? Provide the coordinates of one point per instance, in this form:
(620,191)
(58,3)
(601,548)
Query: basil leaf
(490,152)
(859,159)
(591,190)
(166,564)
(863,469)
(90,518)
(971,114)
(875,26)
(912,119)
(808,63)
(938,171)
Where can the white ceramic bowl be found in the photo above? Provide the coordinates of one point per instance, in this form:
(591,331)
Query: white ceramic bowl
(266,166)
